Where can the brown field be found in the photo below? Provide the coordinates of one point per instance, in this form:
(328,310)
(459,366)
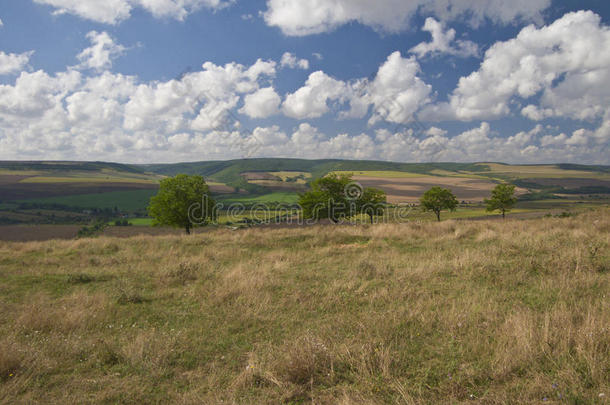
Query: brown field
(410,189)
(10,179)
(539,171)
(221,188)
(569,183)
(259,176)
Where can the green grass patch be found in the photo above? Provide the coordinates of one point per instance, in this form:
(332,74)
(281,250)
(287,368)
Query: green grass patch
(276,197)
(49,179)
(123,200)
(388,174)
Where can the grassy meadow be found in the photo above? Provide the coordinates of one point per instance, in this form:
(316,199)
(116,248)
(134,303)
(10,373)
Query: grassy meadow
(493,312)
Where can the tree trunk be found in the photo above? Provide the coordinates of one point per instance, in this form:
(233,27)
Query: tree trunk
(188,229)
(503,214)
(371,215)
(438,216)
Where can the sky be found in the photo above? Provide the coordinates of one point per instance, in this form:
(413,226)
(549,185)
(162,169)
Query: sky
(162,81)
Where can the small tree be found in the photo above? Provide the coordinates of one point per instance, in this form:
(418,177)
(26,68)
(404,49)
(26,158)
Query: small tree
(326,199)
(337,196)
(372,202)
(437,199)
(502,199)
(179,199)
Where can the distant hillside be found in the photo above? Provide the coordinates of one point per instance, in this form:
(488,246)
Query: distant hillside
(55,192)
(68,166)
(229,172)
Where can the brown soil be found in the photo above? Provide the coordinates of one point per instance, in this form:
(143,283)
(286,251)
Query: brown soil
(409,190)
(259,176)
(221,189)
(569,183)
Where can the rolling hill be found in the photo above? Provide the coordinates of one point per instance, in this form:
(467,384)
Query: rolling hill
(56,187)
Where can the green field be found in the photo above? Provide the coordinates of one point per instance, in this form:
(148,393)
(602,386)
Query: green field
(275,197)
(387,174)
(84,179)
(123,200)
(78,184)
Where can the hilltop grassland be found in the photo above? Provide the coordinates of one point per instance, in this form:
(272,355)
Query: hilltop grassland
(493,312)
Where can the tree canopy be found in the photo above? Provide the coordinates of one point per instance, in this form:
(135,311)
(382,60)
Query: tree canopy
(438,199)
(183,202)
(337,196)
(502,199)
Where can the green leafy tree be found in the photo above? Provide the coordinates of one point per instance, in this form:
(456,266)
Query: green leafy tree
(372,202)
(438,199)
(326,199)
(337,196)
(182,202)
(502,199)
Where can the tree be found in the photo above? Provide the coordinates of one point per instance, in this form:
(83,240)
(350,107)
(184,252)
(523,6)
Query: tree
(437,199)
(326,199)
(182,202)
(502,199)
(372,202)
(338,196)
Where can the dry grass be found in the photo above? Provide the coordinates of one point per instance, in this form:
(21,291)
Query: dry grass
(492,312)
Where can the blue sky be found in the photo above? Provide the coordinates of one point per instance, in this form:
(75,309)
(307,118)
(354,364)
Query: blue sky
(187,80)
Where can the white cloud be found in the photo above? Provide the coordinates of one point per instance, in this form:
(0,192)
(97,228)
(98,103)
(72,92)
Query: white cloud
(200,101)
(262,103)
(290,60)
(100,54)
(311,100)
(434,131)
(477,144)
(179,9)
(1,23)
(115,11)
(100,115)
(109,12)
(110,115)
(305,17)
(567,63)
(396,93)
(443,42)
(11,63)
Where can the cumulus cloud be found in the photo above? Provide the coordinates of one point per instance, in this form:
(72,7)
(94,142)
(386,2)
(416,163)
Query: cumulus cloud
(311,100)
(199,101)
(305,17)
(567,63)
(100,54)
(1,23)
(11,63)
(115,11)
(395,94)
(290,60)
(69,115)
(113,117)
(443,42)
(262,103)
(97,114)
(480,143)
